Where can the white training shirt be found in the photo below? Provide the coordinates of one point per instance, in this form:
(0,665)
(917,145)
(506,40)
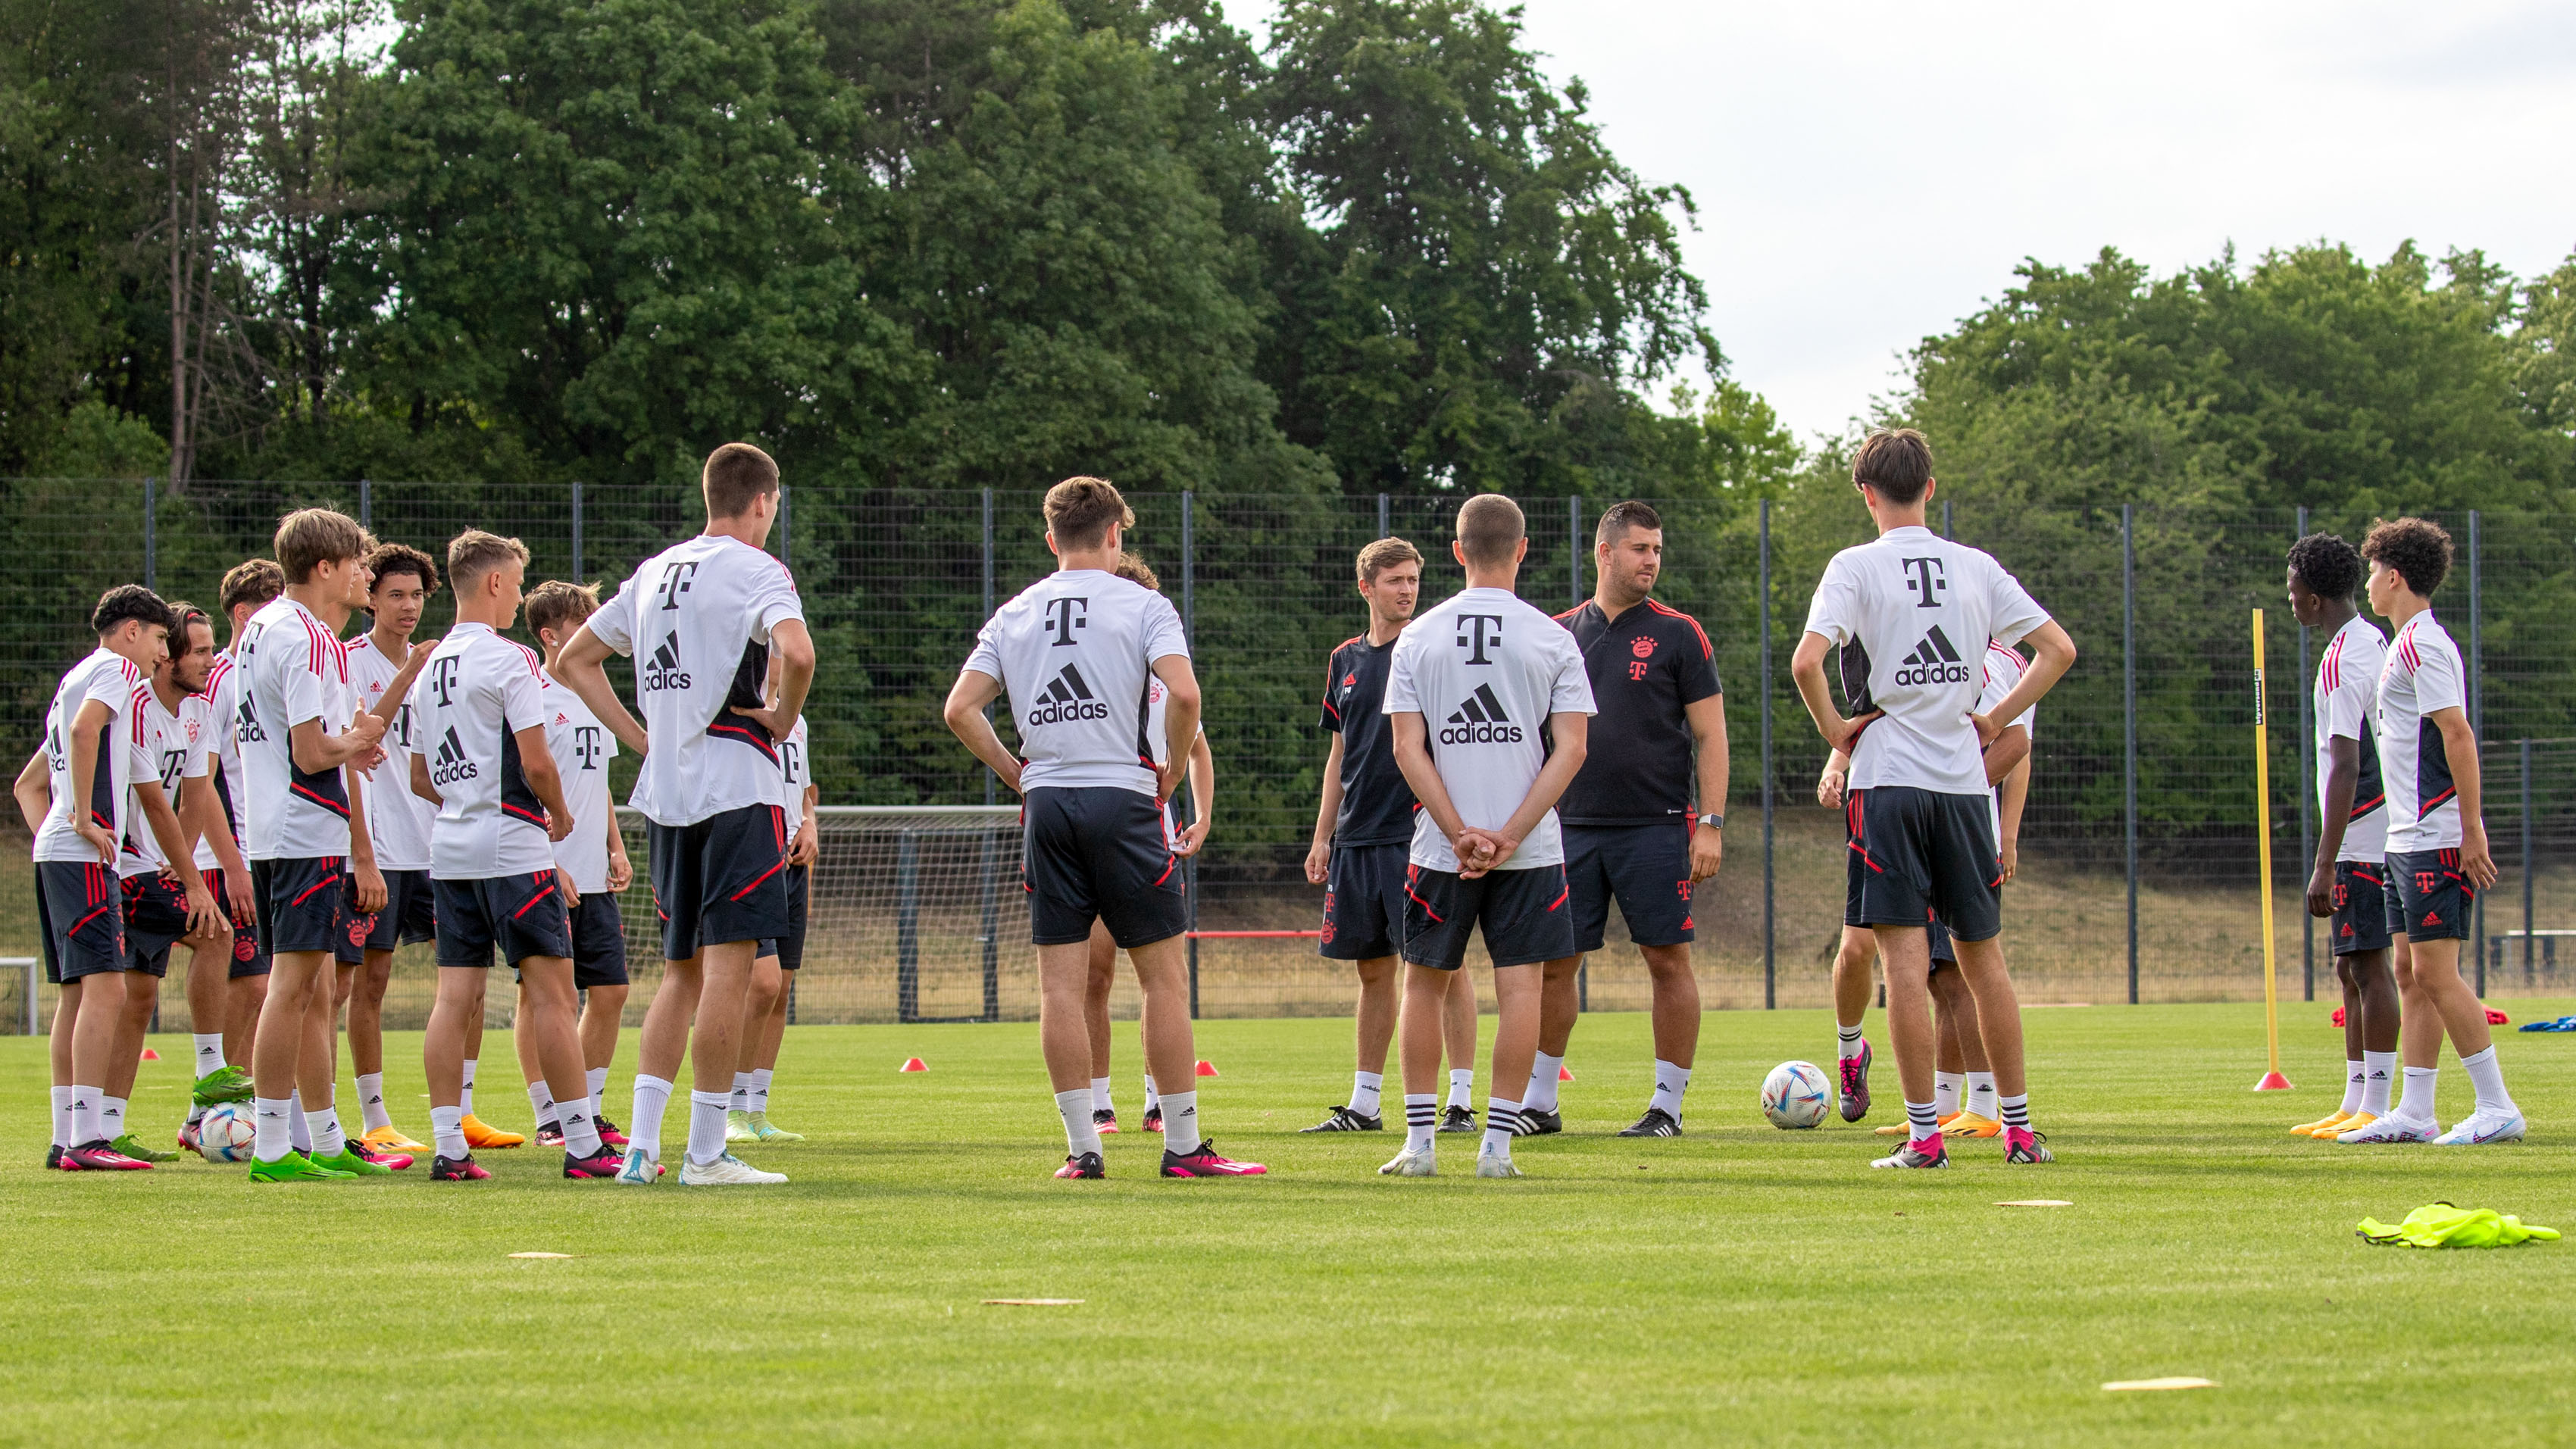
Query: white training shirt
(1158,734)
(222,758)
(397,819)
(478,692)
(2421,675)
(697,618)
(1917,604)
(1075,652)
(297,671)
(796,768)
(2003,668)
(1485,670)
(173,747)
(2346,694)
(582,748)
(111,679)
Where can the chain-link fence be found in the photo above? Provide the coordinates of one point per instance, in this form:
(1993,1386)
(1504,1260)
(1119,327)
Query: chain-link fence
(2138,850)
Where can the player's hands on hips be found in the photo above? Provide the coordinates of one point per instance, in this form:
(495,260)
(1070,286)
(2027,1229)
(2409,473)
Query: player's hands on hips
(2321,891)
(2010,859)
(571,892)
(97,836)
(779,726)
(371,888)
(1192,838)
(1829,789)
(1841,733)
(1708,848)
(1319,862)
(2476,861)
(558,826)
(1987,729)
(621,872)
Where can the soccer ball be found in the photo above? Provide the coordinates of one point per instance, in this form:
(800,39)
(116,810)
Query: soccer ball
(225,1133)
(1795,1095)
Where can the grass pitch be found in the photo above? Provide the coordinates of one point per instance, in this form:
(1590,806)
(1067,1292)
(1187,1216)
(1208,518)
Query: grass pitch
(1739,1284)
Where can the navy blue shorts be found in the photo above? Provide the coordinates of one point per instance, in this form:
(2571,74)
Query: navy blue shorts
(790,948)
(1645,867)
(410,915)
(720,880)
(1523,913)
(1098,853)
(303,903)
(249,957)
(522,914)
(156,918)
(1915,854)
(1364,901)
(2361,902)
(2434,893)
(598,942)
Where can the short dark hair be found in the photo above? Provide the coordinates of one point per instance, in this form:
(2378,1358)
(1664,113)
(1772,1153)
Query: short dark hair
(734,476)
(1618,518)
(2326,565)
(128,601)
(1080,509)
(1490,527)
(555,604)
(2417,549)
(1897,462)
(402,558)
(253,581)
(1133,568)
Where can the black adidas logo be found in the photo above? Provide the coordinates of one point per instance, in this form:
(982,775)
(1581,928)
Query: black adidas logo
(1480,721)
(1066,698)
(450,764)
(663,671)
(1932,662)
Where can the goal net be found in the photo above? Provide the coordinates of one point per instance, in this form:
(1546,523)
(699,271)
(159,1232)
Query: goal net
(918,915)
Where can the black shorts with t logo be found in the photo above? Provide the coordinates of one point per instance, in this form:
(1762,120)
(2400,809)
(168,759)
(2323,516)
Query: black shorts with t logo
(1917,853)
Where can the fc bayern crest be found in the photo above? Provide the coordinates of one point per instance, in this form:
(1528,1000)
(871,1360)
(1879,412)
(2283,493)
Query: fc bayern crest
(1643,648)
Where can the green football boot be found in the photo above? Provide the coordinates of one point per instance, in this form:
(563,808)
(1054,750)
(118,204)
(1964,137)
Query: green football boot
(738,1127)
(295,1167)
(348,1163)
(761,1128)
(223,1084)
(132,1146)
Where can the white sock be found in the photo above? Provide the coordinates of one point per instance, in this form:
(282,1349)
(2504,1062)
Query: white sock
(2014,1111)
(328,1137)
(299,1124)
(760,1089)
(2485,1073)
(1100,1094)
(1365,1090)
(1670,1083)
(1421,1119)
(541,1100)
(1540,1095)
(1921,1122)
(63,1097)
(2379,1074)
(1462,1087)
(210,1052)
(652,1095)
(1980,1097)
(706,1126)
(371,1101)
(2356,1080)
(111,1116)
(597,1077)
(1946,1087)
(1500,1118)
(1181,1121)
(447,1133)
(268,1127)
(1079,1135)
(1153,1099)
(1847,1042)
(741,1092)
(465,1103)
(580,1131)
(2415,1103)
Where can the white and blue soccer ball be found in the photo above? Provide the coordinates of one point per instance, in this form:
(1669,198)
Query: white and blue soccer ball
(225,1133)
(1796,1095)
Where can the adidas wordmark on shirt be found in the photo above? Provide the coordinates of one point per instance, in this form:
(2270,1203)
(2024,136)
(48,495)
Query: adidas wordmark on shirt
(1075,652)
(1485,670)
(1921,608)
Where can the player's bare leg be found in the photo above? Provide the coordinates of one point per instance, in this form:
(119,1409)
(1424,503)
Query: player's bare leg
(455,1025)
(1458,1034)
(1419,1039)
(1103,973)
(58,1048)
(1560,1001)
(1963,1087)
(548,1023)
(1981,966)
(134,1023)
(764,997)
(218,1079)
(479,1133)
(1906,952)
(1853,957)
(1372,1032)
(2463,1018)
(1517,993)
(317,1062)
(286,1018)
(1676,1025)
(603,1010)
(244,1000)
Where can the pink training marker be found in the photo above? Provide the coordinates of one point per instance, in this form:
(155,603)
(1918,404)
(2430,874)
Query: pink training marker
(1565,1074)
(1207,1069)
(913,1064)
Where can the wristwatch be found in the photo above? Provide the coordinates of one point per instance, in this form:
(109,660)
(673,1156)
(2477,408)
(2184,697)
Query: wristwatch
(1713,822)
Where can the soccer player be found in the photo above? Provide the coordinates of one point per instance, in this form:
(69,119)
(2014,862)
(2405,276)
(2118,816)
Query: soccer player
(1922,827)
(764,1021)
(1363,832)
(74,809)
(1486,845)
(1073,649)
(222,838)
(2437,842)
(591,861)
(2347,884)
(302,742)
(700,618)
(1631,828)
(166,906)
(383,663)
(501,811)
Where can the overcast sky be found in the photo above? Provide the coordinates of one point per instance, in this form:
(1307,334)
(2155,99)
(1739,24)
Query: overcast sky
(1868,173)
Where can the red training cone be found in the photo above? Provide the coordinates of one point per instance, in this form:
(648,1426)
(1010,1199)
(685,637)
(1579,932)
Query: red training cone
(1207,1069)
(150,1055)
(2494,1018)
(2338,1016)
(1565,1074)
(2272,1082)
(912,1064)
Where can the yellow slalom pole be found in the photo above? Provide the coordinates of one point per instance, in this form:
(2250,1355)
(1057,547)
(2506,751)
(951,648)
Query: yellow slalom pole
(2272,1081)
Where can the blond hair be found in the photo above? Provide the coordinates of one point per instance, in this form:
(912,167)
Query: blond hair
(555,604)
(476,553)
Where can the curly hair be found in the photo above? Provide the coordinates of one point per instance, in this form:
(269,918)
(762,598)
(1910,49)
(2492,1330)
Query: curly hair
(2327,565)
(394,559)
(1133,568)
(2417,549)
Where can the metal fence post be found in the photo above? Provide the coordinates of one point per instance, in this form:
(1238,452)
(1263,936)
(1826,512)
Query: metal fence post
(1770,938)
(907,926)
(2526,861)
(31,995)
(1189,631)
(2129,719)
(989,781)
(992,921)
(2307,807)
(2477,723)
(1382,529)
(576,531)
(1574,598)
(151,535)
